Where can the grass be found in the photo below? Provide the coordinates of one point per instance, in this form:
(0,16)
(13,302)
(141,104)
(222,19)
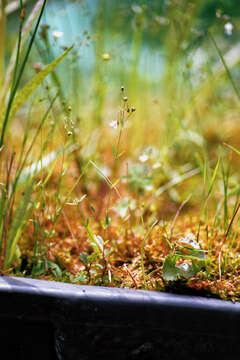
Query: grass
(138,186)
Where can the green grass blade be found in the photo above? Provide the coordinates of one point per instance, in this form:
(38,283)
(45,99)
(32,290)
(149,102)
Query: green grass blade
(236,90)
(20,216)
(3,202)
(19,77)
(94,240)
(25,32)
(225,177)
(20,168)
(232,148)
(108,181)
(2,38)
(213,179)
(72,189)
(142,251)
(27,91)
(18,46)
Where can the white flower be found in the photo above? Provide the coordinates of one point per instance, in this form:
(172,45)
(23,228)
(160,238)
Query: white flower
(156,165)
(57,34)
(228,28)
(143,157)
(105,170)
(114,124)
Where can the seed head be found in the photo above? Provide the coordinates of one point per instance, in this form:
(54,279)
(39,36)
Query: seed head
(125,98)
(23,14)
(106,57)
(133,109)
(44,29)
(37,66)
(69,133)
(122,88)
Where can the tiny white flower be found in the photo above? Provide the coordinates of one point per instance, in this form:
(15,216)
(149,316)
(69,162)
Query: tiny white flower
(57,34)
(156,165)
(228,28)
(113,124)
(143,157)
(105,170)
(148,188)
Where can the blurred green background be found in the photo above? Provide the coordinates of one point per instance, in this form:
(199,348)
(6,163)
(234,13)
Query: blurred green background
(163,55)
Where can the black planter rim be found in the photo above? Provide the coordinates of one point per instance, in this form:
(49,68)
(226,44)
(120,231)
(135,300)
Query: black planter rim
(56,302)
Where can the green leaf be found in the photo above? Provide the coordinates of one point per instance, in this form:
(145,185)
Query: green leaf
(213,179)
(170,272)
(38,268)
(105,224)
(107,219)
(197,266)
(21,214)
(57,272)
(38,165)
(25,35)
(84,258)
(96,240)
(114,152)
(32,85)
(139,178)
(80,278)
(99,241)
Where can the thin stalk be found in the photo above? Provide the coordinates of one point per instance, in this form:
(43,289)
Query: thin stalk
(25,31)
(70,192)
(2,39)
(225,176)
(142,251)
(236,90)
(210,188)
(20,167)
(178,213)
(22,16)
(229,228)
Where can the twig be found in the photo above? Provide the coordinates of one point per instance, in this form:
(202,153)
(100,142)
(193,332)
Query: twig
(219,265)
(131,276)
(68,225)
(156,221)
(177,214)
(177,180)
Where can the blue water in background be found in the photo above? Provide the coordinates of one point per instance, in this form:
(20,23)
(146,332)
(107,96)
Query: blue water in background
(116,30)
(73,18)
